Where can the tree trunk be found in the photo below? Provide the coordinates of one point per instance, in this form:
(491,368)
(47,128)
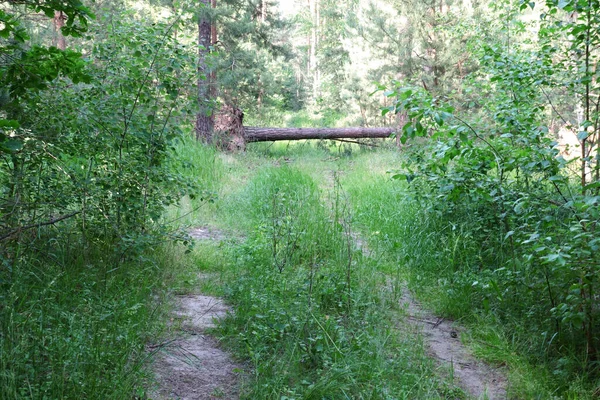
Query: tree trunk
(214,38)
(313,48)
(204,119)
(253,134)
(59,21)
(263,11)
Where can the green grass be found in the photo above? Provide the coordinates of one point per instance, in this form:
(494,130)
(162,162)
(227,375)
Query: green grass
(74,330)
(201,170)
(76,315)
(311,318)
(314,317)
(436,260)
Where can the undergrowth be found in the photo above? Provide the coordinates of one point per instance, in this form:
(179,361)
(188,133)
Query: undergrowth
(77,309)
(447,266)
(73,329)
(310,313)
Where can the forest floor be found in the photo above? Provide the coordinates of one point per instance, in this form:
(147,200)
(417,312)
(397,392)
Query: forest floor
(192,365)
(441,336)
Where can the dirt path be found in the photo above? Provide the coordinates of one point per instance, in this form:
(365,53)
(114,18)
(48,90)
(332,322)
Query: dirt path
(191,365)
(442,338)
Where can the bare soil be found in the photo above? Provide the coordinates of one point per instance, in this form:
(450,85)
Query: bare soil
(191,365)
(207,233)
(442,338)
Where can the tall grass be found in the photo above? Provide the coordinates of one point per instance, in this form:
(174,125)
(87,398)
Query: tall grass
(445,266)
(73,329)
(76,311)
(311,313)
(202,171)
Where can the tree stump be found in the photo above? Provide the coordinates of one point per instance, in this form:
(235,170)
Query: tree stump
(229,129)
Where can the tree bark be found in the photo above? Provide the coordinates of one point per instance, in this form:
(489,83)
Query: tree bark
(254,134)
(313,8)
(204,118)
(214,38)
(59,21)
(263,11)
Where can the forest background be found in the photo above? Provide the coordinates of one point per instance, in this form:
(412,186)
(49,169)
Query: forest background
(96,97)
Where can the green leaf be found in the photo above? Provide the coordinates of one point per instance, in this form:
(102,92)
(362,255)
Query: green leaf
(12,145)
(592,186)
(420,129)
(582,135)
(9,123)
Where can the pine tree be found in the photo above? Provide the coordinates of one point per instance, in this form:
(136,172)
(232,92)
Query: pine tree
(204,118)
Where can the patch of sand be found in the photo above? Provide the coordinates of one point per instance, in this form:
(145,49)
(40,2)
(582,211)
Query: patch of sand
(442,338)
(192,366)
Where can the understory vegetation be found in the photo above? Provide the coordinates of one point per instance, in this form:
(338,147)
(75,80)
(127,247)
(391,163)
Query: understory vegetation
(504,220)
(315,316)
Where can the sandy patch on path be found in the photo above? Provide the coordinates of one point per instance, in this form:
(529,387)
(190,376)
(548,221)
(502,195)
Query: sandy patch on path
(442,338)
(192,366)
(207,233)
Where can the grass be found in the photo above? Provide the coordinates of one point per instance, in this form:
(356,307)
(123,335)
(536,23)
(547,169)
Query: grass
(311,317)
(436,259)
(75,317)
(74,330)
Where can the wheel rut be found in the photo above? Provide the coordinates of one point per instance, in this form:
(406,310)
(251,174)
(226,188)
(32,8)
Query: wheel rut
(190,365)
(442,340)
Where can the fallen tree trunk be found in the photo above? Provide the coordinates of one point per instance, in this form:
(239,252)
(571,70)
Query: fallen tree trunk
(254,134)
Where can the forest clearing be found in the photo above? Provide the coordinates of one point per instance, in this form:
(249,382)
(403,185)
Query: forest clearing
(317,199)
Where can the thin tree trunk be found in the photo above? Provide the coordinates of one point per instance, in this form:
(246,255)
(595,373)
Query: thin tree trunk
(59,40)
(310,42)
(214,38)
(204,119)
(313,49)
